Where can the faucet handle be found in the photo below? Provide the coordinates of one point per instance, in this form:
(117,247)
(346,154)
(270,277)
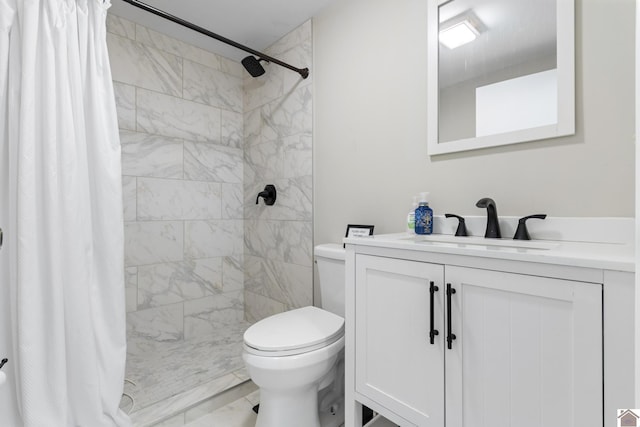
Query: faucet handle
(268,194)
(462,228)
(521,231)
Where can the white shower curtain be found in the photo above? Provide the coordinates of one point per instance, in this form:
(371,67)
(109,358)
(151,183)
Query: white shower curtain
(61,212)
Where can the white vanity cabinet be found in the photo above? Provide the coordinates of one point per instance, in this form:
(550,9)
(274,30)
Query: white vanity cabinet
(527,350)
(539,337)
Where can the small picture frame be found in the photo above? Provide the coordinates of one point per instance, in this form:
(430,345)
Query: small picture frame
(357,230)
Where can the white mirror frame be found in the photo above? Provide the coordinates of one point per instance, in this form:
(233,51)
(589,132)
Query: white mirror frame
(566,89)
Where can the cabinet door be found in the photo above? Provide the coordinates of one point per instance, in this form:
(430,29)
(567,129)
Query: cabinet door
(398,368)
(528,351)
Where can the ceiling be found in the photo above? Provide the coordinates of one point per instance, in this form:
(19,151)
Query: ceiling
(253,23)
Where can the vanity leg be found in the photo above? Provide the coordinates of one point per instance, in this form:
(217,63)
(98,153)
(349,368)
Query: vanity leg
(353,409)
(353,413)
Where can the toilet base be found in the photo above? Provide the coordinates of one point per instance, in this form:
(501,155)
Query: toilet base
(315,409)
(330,416)
(295,408)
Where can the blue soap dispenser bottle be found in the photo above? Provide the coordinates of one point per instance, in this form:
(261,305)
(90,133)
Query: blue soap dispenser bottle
(424,215)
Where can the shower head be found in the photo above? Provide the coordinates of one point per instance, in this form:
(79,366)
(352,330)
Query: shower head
(252,65)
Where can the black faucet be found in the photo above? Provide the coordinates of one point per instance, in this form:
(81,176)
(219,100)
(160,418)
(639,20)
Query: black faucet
(493,227)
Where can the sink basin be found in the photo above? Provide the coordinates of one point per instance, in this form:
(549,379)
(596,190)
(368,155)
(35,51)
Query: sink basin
(480,242)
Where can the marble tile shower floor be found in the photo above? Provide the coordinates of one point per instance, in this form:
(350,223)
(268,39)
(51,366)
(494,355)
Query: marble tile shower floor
(166,378)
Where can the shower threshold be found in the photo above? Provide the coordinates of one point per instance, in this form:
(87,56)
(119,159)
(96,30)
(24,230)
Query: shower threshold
(170,381)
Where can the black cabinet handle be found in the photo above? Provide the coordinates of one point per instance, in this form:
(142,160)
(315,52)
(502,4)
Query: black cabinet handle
(450,336)
(432,332)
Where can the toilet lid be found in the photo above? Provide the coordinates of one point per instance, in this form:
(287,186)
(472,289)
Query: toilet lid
(295,329)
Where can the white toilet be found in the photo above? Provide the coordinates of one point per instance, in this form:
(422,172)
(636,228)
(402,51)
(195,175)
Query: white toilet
(296,358)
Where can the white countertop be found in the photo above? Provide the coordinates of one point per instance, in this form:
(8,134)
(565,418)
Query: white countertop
(606,256)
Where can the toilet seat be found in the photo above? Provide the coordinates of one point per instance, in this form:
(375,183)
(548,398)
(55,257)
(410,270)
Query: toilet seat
(293,332)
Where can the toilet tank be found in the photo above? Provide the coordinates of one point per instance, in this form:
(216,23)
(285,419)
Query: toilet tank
(330,261)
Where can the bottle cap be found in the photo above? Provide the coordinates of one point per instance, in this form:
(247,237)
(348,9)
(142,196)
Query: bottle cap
(424,197)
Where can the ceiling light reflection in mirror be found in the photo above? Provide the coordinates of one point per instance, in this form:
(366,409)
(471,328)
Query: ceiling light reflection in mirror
(460,30)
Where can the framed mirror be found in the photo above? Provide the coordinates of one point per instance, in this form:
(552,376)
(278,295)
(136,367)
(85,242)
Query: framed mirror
(499,72)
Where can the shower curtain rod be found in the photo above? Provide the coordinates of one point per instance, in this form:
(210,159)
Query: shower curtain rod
(304,72)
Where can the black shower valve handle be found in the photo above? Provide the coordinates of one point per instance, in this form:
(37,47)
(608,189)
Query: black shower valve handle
(269,195)
(461,231)
(521,232)
(3,362)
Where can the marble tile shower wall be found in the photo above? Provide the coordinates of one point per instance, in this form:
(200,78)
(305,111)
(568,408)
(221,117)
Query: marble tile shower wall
(278,262)
(180,112)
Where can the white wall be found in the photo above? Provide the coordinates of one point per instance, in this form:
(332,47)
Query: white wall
(370,130)
(637,294)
